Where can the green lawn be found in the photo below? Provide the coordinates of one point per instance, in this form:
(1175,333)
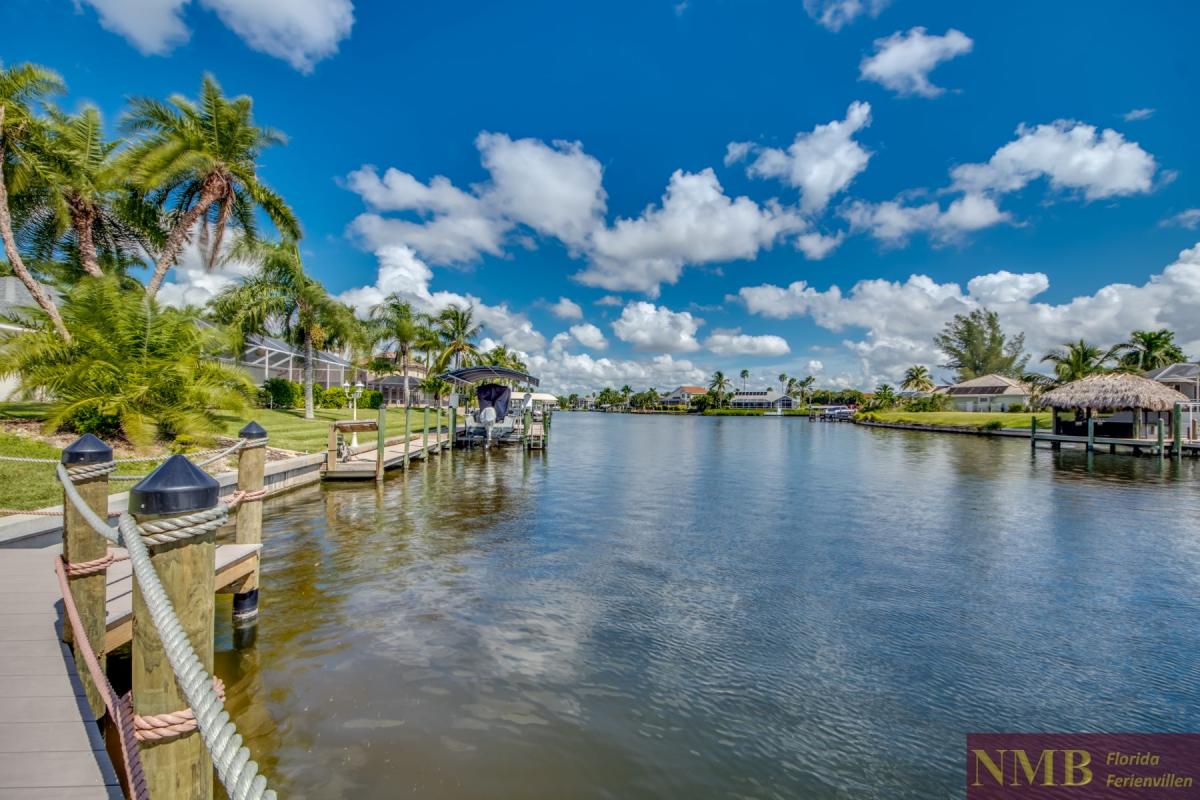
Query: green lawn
(34,485)
(289,430)
(965,419)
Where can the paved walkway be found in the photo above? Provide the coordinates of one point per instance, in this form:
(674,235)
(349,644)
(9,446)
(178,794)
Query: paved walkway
(50,745)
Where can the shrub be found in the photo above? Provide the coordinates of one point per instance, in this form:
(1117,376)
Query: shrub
(90,420)
(318,395)
(371,398)
(1017,409)
(993,425)
(282,393)
(933,402)
(333,397)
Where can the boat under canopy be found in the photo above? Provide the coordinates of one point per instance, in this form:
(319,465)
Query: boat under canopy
(467,375)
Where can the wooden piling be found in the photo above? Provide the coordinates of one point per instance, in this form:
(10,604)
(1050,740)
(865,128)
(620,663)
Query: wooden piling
(407,433)
(1161,452)
(177,768)
(453,425)
(1033,432)
(252,462)
(80,544)
(1091,433)
(527,434)
(425,432)
(1177,430)
(381,438)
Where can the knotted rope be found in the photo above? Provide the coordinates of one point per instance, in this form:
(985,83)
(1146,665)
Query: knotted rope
(176,529)
(84,472)
(81,569)
(157,727)
(240,496)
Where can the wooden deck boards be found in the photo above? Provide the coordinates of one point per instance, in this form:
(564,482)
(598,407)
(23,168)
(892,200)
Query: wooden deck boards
(361,466)
(50,746)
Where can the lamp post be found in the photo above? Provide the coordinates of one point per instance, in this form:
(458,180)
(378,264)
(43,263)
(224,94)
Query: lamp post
(353,397)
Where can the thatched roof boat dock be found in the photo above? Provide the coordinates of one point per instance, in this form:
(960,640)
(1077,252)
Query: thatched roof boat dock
(1137,412)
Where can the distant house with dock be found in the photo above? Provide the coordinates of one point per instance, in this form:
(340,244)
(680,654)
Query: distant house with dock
(683,396)
(764,398)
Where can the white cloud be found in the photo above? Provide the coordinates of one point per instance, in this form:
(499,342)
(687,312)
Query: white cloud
(1189,219)
(192,283)
(814,367)
(898,320)
(567,372)
(650,327)
(152,26)
(816,246)
(1138,113)
(820,164)
(894,223)
(566,308)
(403,273)
(697,223)
(610,300)
(734,343)
(1071,155)
(589,336)
(837,14)
(902,62)
(300,32)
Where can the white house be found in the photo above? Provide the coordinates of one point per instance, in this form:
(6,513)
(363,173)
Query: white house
(764,398)
(1183,378)
(987,393)
(683,396)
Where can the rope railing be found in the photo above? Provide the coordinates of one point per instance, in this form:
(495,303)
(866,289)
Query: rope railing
(235,769)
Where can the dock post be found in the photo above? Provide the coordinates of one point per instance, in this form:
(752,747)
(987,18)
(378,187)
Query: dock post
(1091,443)
(527,433)
(82,545)
(1033,432)
(331,449)
(381,437)
(546,429)
(425,432)
(407,431)
(453,424)
(1161,452)
(1177,430)
(177,768)
(252,461)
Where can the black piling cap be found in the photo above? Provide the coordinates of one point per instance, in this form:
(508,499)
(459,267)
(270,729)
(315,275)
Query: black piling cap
(87,449)
(177,487)
(252,431)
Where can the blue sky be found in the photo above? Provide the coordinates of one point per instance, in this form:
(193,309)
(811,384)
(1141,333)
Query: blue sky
(709,170)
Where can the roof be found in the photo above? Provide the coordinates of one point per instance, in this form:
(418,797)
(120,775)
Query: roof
(1174,373)
(756,393)
(690,390)
(986,385)
(484,372)
(394,380)
(1114,390)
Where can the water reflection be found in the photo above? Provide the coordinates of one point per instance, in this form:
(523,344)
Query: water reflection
(714,608)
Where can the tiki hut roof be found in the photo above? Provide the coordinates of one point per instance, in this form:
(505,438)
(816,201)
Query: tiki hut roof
(1114,390)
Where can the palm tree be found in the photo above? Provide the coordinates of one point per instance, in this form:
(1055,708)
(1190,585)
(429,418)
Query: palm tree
(199,160)
(745,376)
(782,381)
(1148,350)
(402,328)
(885,397)
(457,330)
(792,383)
(719,385)
(805,384)
(1078,360)
(917,379)
(281,294)
(435,387)
(129,367)
(22,88)
(626,391)
(80,197)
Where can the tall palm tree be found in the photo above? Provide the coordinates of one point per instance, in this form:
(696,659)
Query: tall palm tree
(626,391)
(80,200)
(1148,350)
(399,325)
(745,376)
(885,397)
(805,385)
(782,381)
(719,385)
(457,330)
(1078,360)
(917,379)
(199,160)
(23,87)
(280,294)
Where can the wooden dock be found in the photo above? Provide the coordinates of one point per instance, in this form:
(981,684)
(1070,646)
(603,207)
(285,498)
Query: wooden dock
(361,465)
(50,744)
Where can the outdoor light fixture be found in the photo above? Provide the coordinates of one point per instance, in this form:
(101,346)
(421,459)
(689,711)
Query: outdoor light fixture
(353,397)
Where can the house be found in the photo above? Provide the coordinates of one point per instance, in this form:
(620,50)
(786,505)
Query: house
(1183,378)
(266,357)
(391,384)
(683,396)
(765,398)
(14,297)
(987,393)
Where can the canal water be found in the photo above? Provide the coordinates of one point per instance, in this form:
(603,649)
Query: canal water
(663,607)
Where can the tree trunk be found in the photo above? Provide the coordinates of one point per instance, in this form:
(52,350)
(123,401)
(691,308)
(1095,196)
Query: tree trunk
(404,374)
(308,376)
(82,219)
(39,293)
(214,185)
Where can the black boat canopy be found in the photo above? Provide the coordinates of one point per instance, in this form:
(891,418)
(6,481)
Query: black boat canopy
(486,373)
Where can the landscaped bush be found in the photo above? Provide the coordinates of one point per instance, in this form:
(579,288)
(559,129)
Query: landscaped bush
(933,402)
(90,420)
(994,425)
(734,412)
(333,397)
(318,396)
(282,393)
(371,398)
